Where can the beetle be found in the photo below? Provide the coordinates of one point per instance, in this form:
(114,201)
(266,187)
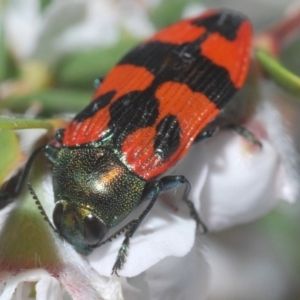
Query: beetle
(145,115)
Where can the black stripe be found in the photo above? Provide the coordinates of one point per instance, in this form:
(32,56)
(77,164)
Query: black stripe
(130,112)
(94,106)
(167,139)
(226,23)
(185,64)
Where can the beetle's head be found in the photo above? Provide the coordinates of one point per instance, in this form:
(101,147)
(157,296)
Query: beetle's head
(94,191)
(79,226)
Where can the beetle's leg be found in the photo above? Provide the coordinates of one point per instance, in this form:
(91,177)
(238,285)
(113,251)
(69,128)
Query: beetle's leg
(151,191)
(59,135)
(4,195)
(210,132)
(244,132)
(51,152)
(206,134)
(171,182)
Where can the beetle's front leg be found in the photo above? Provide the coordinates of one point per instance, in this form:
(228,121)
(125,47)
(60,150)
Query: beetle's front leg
(210,132)
(151,192)
(245,133)
(171,182)
(6,196)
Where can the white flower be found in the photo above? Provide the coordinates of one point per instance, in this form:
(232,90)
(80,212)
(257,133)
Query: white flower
(19,287)
(233,181)
(66,26)
(172,278)
(245,181)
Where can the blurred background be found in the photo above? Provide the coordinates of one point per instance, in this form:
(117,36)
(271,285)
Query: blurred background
(51,51)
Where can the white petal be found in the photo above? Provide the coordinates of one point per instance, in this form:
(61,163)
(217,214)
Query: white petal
(82,282)
(48,289)
(28,138)
(134,17)
(15,282)
(245,266)
(22,25)
(241,185)
(164,233)
(194,166)
(88,24)
(244,182)
(193,10)
(4,213)
(97,27)
(55,22)
(279,117)
(174,278)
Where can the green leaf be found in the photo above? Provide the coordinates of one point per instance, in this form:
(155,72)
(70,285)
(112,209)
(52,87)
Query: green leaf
(289,56)
(282,228)
(23,123)
(82,68)
(2,50)
(8,66)
(44,4)
(169,11)
(11,156)
(283,77)
(26,239)
(51,101)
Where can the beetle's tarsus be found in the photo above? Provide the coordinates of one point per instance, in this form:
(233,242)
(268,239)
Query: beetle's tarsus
(171,182)
(245,133)
(207,134)
(196,216)
(121,258)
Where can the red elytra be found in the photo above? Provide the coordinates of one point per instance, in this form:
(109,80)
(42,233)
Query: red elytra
(158,98)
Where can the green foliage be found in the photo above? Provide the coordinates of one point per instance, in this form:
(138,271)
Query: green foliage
(26,239)
(283,77)
(282,228)
(82,68)
(169,11)
(22,123)
(8,67)
(290,57)
(52,101)
(9,159)
(44,3)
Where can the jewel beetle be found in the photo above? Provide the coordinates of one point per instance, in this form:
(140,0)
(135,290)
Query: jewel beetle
(145,115)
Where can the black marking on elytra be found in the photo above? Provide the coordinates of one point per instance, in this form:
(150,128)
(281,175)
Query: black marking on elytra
(185,64)
(96,105)
(226,24)
(130,112)
(167,139)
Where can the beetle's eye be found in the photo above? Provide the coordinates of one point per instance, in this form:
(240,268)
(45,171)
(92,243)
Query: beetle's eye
(94,229)
(57,215)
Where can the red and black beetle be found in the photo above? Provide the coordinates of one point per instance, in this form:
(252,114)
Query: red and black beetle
(144,117)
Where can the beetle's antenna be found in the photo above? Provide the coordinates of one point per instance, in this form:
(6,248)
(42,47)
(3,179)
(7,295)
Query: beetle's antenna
(40,207)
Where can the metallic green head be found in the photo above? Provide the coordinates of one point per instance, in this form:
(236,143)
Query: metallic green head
(93,191)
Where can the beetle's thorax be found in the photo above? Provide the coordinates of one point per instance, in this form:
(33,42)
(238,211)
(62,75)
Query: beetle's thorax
(95,179)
